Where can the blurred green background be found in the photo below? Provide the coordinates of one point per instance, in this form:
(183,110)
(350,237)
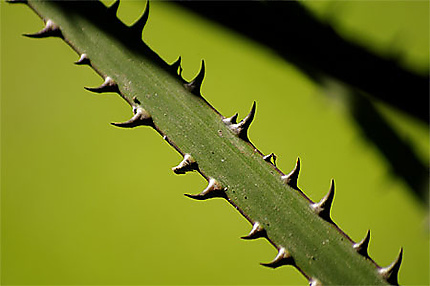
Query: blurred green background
(83,202)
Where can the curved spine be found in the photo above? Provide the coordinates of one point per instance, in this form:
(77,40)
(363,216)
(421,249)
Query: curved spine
(50,30)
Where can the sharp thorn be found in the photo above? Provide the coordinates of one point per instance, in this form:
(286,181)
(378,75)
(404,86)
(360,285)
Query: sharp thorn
(292,178)
(195,85)
(231,120)
(188,164)
(271,158)
(241,128)
(109,85)
(140,117)
(113,9)
(213,190)
(83,60)
(283,258)
(323,208)
(362,246)
(50,30)
(257,231)
(390,273)
(137,27)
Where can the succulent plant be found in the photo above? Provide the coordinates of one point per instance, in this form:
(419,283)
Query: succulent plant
(216,146)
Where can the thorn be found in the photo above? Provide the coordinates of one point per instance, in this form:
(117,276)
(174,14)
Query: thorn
(390,273)
(50,30)
(113,9)
(213,190)
(257,231)
(195,85)
(137,27)
(83,60)
(140,117)
(362,246)
(283,258)
(292,178)
(109,85)
(322,209)
(231,120)
(241,128)
(176,67)
(271,158)
(188,164)
(315,282)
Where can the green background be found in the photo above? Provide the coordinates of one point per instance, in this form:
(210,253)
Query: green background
(83,202)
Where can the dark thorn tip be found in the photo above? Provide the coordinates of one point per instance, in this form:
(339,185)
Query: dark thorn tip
(363,246)
(213,190)
(271,158)
(83,60)
(109,85)
(323,208)
(391,272)
(231,120)
(140,118)
(195,85)
(257,231)
(241,128)
(137,27)
(198,197)
(50,30)
(188,164)
(283,258)
(292,178)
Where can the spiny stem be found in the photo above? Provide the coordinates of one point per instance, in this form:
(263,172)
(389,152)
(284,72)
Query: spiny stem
(217,147)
